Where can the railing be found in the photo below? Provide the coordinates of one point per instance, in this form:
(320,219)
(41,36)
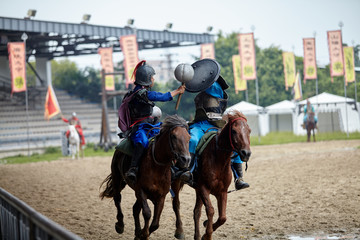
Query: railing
(18,221)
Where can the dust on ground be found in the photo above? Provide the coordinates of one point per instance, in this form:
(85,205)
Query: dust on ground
(298,189)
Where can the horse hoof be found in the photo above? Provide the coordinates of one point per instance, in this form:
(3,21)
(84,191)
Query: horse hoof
(119,228)
(205,223)
(179,235)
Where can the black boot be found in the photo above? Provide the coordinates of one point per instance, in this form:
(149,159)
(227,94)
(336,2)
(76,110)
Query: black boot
(132,172)
(238,176)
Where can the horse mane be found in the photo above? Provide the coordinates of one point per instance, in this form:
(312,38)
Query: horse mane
(172,121)
(232,115)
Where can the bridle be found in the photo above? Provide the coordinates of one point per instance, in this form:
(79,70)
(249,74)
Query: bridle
(230,136)
(176,154)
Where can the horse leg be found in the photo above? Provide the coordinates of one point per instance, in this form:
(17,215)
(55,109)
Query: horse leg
(204,194)
(314,135)
(119,225)
(136,215)
(77,150)
(221,202)
(197,215)
(141,196)
(308,135)
(158,207)
(72,151)
(179,232)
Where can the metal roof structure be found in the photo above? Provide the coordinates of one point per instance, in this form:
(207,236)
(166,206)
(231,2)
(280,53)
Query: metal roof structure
(56,39)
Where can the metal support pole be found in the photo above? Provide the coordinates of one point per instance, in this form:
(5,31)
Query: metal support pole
(341,24)
(257,105)
(105,129)
(24,37)
(346,111)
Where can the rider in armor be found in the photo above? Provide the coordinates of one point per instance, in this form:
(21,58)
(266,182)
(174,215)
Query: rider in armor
(210,105)
(309,108)
(141,108)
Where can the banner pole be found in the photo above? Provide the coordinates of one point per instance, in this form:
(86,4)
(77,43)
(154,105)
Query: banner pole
(257,104)
(341,24)
(24,37)
(346,111)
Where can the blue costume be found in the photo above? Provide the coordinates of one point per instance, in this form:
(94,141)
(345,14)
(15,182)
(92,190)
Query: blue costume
(140,130)
(141,108)
(306,115)
(210,106)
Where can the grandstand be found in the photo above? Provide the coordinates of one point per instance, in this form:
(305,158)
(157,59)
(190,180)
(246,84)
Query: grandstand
(20,136)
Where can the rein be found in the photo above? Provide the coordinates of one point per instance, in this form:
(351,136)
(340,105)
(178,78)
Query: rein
(176,155)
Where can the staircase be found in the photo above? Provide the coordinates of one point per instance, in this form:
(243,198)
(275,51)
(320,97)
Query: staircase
(20,134)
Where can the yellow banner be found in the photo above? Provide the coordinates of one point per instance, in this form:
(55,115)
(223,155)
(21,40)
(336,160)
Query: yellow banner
(247,54)
(349,64)
(108,66)
(240,84)
(207,51)
(129,48)
(17,66)
(289,69)
(336,53)
(310,71)
(297,88)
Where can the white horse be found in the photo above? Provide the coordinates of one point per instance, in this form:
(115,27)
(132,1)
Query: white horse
(74,142)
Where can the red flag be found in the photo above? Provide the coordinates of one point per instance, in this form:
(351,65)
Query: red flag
(52,107)
(17,66)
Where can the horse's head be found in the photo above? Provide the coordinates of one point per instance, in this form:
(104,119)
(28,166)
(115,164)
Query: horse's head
(179,139)
(239,134)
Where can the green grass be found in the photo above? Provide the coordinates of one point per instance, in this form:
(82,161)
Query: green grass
(54,153)
(289,137)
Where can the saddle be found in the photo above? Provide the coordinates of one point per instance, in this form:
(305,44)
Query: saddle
(204,141)
(126,146)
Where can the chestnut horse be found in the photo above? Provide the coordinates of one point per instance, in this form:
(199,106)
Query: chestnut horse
(214,175)
(171,145)
(310,125)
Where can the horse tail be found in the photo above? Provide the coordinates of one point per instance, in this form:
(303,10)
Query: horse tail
(109,190)
(114,180)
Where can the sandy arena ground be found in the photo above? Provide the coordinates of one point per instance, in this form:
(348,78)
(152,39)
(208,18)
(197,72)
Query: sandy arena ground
(300,189)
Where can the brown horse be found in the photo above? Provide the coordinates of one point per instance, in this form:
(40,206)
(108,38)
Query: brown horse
(154,176)
(213,175)
(310,125)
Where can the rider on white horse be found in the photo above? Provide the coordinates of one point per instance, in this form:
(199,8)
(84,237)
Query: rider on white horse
(74,141)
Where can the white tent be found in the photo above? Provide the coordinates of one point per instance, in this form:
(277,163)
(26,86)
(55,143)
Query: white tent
(281,116)
(254,116)
(333,113)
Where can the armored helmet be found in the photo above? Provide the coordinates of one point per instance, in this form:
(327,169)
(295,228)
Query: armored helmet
(143,74)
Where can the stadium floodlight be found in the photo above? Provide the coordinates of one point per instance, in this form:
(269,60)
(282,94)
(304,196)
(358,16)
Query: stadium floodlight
(30,14)
(86,18)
